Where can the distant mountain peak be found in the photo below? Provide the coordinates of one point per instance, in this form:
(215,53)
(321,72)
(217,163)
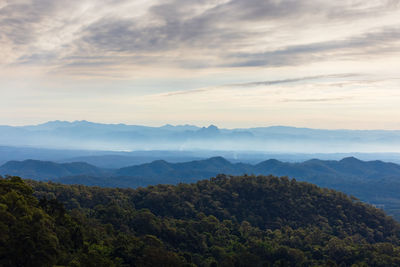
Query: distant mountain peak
(269,162)
(218,159)
(212,129)
(350,160)
(179,127)
(55,122)
(81,122)
(159,162)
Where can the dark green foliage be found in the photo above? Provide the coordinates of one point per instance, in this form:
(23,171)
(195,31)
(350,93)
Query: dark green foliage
(33,233)
(375,182)
(224,221)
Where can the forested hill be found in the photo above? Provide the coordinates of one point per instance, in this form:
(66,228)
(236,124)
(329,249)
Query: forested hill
(161,171)
(225,221)
(44,170)
(375,182)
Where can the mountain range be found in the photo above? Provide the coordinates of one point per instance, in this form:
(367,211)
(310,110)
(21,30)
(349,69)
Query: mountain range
(376,182)
(86,135)
(119,159)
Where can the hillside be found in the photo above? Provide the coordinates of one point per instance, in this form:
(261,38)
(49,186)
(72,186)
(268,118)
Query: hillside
(225,221)
(120,159)
(375,182)
(346,169)
(44,170)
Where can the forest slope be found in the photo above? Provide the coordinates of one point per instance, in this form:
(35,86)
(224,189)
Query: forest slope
(224,221)
(375,182)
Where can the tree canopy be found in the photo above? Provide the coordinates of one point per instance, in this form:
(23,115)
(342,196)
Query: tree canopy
(224,221)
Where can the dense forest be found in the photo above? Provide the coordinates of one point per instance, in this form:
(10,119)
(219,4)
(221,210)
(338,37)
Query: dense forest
(375,182)
(223,221)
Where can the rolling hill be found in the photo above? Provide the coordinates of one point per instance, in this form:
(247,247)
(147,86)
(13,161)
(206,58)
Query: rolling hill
(375,182)
(45,170)
(223,221)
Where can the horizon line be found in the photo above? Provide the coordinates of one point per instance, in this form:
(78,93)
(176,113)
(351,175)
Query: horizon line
(194,125)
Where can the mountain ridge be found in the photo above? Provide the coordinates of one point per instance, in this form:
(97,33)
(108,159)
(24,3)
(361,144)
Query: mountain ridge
(375,182)
(47,169)
(346,166)
(285,139)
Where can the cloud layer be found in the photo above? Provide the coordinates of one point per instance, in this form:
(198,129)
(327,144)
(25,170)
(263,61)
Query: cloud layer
(195,34)
(68,58)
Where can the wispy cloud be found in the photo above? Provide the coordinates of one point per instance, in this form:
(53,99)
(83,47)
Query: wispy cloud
(373,44)
(327,99)
(293,80)
(263,83)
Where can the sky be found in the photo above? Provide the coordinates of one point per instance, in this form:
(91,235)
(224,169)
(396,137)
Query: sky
(232,63)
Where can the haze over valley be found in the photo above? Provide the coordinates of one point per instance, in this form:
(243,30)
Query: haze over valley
(84,135)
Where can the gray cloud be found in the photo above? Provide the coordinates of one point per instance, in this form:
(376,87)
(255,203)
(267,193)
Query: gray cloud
(356,9)
(188,28)
(175,31)
(380,42)
(214,28)
(19,20)
(219,30)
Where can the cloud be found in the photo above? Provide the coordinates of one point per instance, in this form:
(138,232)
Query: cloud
(326,99)
(196,34)
(18,19)
(265,83)
(293,80)
(126,60)
(370,44)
